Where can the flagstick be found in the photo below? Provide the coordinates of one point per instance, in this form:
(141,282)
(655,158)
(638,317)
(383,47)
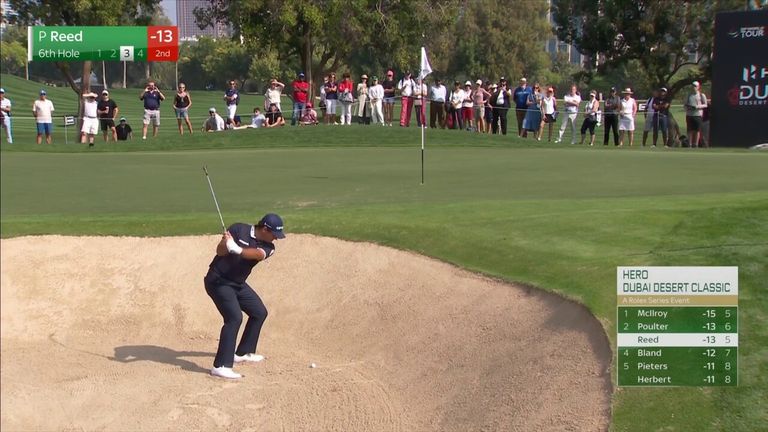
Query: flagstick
(422,130)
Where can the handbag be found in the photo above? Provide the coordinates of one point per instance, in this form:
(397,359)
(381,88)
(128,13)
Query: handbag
(347,97)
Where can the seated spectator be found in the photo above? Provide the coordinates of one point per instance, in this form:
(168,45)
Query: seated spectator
(309,117)
(214,123)
(258,119)
(123,130)
(274,117)
(234,123)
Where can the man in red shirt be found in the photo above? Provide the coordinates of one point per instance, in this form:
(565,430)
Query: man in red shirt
(300,97)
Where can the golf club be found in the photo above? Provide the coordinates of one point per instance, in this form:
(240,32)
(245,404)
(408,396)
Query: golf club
(210,186)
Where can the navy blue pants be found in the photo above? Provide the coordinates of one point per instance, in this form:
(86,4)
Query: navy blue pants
(232,299)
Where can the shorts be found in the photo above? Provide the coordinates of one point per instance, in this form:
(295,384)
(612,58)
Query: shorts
(549,118)
(466,113)
(107,123)
(626,123)
(330,106)
(152,116)
(389,100)
(589,124)
(232,109)
(488,114)
(693,123)
(90,126)
(182,113)
(46,128)
(662,122)
(479,113)
(649,121)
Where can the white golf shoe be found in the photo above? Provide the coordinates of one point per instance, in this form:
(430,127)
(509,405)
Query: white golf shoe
(250,358)
(225,372)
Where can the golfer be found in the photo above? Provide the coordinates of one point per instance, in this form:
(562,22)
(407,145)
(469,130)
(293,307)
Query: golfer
(241,247)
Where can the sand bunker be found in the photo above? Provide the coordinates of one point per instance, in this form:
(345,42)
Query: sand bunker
(117,334)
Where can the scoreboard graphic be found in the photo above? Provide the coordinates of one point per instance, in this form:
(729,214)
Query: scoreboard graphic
(153,43)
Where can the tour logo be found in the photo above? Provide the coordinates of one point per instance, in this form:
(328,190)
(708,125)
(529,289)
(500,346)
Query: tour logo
(753,89)
(748,32)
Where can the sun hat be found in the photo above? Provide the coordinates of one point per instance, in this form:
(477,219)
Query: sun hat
(274,223)
(626,91)
(363,76)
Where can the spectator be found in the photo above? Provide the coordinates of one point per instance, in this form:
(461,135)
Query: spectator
(649,115)
(467,114)
(43,110)
(152,97)
(346,97)
(490,88)
(521,96)
(612,104)
(274,117)
(661,122)
(419,95)
(694,106)
(479,97)
(591,107)
(405,86)
(363,109)
(5,115)
(273,94)
(627,112)
(501,101)
(107,110)
(258,119)
(437,101)
(389,97)
(549,109)
(90,118)
(532,121)
(454,109)
(214,123)
(376,94)
(572,103)
(231,99)
(123,130)
(310,116)
(182,102)
(300,97)
(331,99)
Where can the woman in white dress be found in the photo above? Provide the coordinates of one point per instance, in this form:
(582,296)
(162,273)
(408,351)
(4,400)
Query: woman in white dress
(627,112)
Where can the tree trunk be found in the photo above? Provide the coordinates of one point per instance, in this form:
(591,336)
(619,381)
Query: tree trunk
(85,87)
(147,71)
(104,74)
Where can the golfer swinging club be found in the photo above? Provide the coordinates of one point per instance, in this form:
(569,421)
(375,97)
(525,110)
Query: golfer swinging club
(241,247)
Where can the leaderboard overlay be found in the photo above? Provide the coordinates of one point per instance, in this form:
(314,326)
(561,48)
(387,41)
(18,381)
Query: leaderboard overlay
(677,326)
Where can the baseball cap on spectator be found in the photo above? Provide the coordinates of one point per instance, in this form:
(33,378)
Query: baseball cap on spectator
(274,223)
(468,83)
(479,82)
(301,74)
(613,89)
(42,92)
(695,84)
(523,79)
(2,90)
(105,92)
(502,79)
(122,119)
(664,89)
(363,76)
(375,78)
(212,110)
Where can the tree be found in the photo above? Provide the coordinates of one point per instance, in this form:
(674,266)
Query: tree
(672,40)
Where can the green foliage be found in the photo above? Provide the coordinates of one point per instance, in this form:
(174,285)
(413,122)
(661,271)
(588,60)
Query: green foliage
(14,57)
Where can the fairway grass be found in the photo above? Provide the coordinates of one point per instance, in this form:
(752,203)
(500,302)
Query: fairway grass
(556,217)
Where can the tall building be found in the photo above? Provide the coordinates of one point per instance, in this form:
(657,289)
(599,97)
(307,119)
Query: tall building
(188,28)
(555,46)
(6,13)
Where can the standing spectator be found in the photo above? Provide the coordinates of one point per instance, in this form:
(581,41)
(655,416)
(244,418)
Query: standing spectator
(214,123)
(274,117)
(467,114)
(346,97)
(5,115)
(419,106)
(363,110)
(694,111)
(231,99)
(479,96)
(549,109)
(376,94)
(273,94)
(627,112)
(650,116)
(591,107)
(437,99)
(612,104)
(455,103)
(300,97)
(43,110)
(107,109)
(661,122)
(123,130)
(257,119)
(331,99)
(309,117)
(405,86)
(521,96)
(501,101)
(181,104)
(389,97)
(90,118)
(572,103)
(532,121)
(152,97)
(490,88)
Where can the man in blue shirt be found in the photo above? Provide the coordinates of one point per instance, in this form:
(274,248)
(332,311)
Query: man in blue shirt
(521,95)
(152,97)
(241,247)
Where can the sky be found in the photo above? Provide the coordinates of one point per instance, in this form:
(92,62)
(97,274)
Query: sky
(170,9)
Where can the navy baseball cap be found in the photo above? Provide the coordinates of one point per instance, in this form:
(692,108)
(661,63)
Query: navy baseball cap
(274,223)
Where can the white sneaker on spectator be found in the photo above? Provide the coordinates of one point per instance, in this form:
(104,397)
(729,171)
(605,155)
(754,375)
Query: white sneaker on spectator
(225,372)
(250,357)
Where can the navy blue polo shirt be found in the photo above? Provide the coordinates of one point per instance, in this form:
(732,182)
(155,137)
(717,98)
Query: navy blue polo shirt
(152,100)
(232,92)
(234,267)
(521,97)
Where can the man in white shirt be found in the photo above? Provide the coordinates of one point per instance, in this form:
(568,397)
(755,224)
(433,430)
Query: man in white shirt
(43,112)
(258,119)
(406,86)
(376,97)
(90,118)
(214,123)
(572,102)
(273,93)
(437,95)
(5,114)
(456,100)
